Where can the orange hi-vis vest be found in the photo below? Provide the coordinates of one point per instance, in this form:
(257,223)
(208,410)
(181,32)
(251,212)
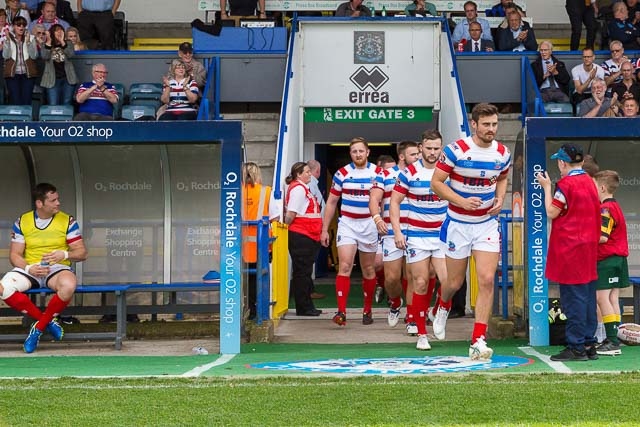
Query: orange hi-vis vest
(309,223)
(256,206)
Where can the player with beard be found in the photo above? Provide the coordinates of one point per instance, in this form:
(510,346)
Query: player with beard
(356,229)
(477,167)
(392,257)
(421,237)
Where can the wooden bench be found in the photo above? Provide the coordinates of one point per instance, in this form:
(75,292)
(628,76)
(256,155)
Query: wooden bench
(157,43)
(122,308)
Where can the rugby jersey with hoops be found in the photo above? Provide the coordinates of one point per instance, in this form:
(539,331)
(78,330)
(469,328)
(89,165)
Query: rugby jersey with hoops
(353,185)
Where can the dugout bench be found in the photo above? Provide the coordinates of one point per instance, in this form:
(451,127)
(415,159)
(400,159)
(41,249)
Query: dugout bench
(121,307)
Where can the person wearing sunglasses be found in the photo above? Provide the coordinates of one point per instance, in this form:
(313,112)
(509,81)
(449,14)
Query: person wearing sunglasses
(59,77)
(20,69)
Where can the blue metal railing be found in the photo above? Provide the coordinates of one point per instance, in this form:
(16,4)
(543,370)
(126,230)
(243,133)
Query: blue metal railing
(263,294)
(502,282)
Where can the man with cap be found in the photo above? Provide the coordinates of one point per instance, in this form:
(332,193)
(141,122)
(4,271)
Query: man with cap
(574,209)
(195,69)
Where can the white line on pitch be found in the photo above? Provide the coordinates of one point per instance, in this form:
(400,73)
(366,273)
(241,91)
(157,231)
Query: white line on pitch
(556,366)
(204,368)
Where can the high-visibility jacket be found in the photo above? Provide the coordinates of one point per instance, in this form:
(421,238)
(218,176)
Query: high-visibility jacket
(256,205)
(310,222)
(42,241)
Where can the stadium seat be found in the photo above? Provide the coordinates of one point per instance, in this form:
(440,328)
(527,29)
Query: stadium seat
(20,113)
(558,109)
(135,112)
(56,113)
(145,94)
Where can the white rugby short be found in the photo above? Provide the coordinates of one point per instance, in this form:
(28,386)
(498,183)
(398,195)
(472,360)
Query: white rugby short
(360,232)
(421,248)
(461,238)
(389,250)
(42,281)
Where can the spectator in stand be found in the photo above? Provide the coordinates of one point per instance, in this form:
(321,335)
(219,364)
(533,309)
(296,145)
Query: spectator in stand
(499,9)
(63,10)
(518,37)
(582,12)
(462,29)
(583,75)
(353,9)
(242,8)
(179,93)
(49,18)
(14,9)
(5,28)
(629,108)
(509,8)
(611,66)
(623,29)
(20,69)
(59,77)
(97,97)
(421,7)
(31,7)
(633,6)
(195,69)
(74,37)
(627,88)
(95,22)
(598,105)
(476,43)
(551,75)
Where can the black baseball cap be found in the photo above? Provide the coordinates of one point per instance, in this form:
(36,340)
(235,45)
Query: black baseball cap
(569,153)
(186,47)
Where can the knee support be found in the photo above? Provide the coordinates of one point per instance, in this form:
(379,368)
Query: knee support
(13,282)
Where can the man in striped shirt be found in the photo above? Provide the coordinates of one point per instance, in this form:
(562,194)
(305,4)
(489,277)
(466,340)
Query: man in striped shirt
(477,168)
(426,211)
(356,229)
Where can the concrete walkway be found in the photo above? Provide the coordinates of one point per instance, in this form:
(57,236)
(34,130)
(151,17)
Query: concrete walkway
(294,329)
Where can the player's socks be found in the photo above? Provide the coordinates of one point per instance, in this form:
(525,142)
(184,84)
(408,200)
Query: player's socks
(368,289)
(410,316)
(479,330)
(22,303)
(55,307)
(420,306)
(405,284)
(343,285)
(395,302)
(444,304)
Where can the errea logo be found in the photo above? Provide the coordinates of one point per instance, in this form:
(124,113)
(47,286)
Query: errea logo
(372,79)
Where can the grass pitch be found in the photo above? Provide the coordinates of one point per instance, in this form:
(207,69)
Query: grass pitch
(468,399)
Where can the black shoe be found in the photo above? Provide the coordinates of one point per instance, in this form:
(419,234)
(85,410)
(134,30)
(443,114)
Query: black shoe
(367,318)
(108,318)
(591,352)
(456,314)
(69,320)
(570,354)
(313,312)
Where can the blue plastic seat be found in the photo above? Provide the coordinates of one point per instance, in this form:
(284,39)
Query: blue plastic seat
(20,113)
(56,113)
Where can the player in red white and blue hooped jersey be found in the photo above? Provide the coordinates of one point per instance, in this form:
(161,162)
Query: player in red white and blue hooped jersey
(356,229)
(477,167)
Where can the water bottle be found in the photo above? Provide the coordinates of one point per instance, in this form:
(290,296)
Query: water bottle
(372,8)
(199,350)
(44,263)
(384,11)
